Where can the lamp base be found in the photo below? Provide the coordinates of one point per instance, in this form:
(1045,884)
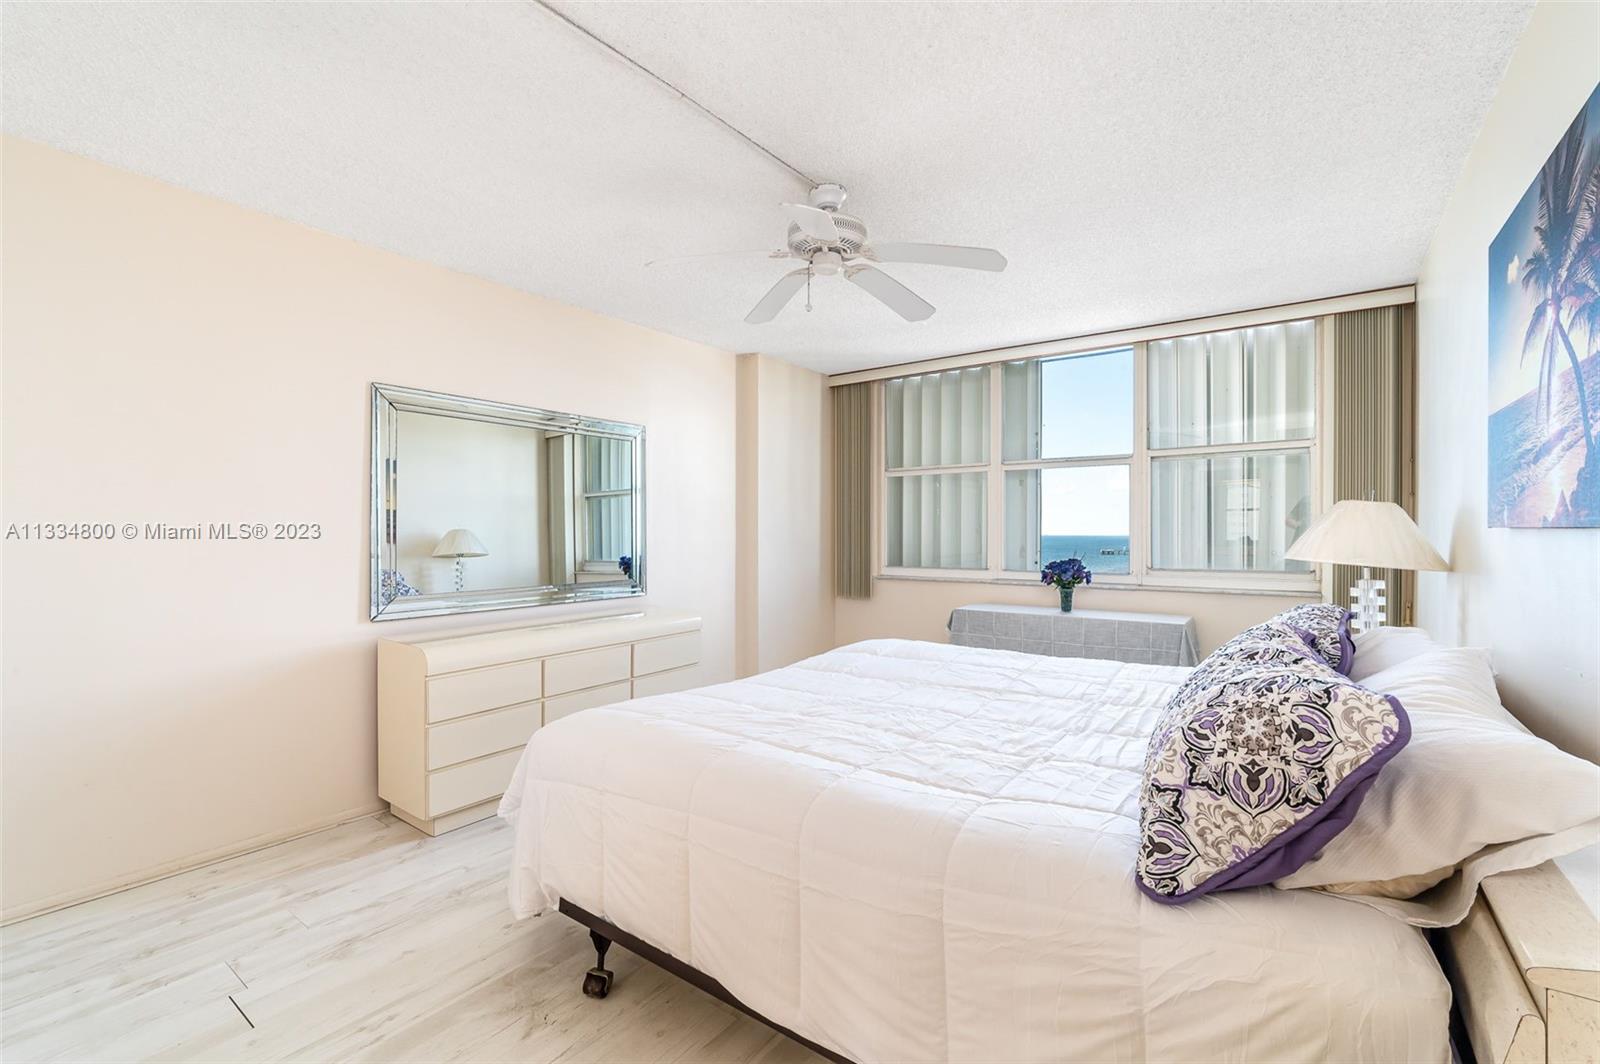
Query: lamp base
(1367,603)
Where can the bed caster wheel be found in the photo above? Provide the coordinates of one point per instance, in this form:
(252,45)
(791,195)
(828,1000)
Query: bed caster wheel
(597,984)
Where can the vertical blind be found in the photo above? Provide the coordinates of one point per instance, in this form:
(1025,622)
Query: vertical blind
(937,520)
(937,419)
(852,490)
(1232,512)
(1214,506)
(1240,386)
(1374,439)
(1022,410)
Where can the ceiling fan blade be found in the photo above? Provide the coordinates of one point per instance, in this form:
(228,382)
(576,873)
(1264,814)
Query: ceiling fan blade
(674,260)
(777,298)
(941,255)
(813,221)
(891,293)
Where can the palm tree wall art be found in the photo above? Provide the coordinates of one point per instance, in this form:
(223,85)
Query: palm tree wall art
(1544,333)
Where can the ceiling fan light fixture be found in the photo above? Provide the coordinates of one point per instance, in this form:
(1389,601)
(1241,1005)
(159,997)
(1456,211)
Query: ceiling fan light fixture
(827,263)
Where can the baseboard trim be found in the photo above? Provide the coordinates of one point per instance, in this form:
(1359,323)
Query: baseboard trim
(168,869)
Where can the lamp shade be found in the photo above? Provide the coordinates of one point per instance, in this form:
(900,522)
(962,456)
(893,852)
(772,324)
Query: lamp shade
(1378,535)
(459,543)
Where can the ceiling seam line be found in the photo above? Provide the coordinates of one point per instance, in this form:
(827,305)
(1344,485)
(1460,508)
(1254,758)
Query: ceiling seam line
(696,104)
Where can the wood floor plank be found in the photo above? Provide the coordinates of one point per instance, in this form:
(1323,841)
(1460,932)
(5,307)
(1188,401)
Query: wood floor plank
(369,941)
(90,1027)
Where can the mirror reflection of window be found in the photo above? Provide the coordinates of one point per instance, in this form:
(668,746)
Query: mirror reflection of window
(607,512)
(591,507)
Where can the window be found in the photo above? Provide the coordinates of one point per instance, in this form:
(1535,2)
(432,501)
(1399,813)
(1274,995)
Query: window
(1063,418)
(1180,461)
(1224,492)
(936,449)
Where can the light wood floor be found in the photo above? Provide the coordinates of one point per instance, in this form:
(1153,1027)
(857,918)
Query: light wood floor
(369,941)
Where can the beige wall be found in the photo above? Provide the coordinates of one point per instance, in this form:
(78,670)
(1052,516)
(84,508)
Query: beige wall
(920,609)
(785,520)
(172,358)
(1532,595)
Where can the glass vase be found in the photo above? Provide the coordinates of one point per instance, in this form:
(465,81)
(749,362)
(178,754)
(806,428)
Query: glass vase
(1066,599)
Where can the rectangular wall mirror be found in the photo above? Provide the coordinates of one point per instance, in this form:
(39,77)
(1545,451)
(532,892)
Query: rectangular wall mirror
(478,505)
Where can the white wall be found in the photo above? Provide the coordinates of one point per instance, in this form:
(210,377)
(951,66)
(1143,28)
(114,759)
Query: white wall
(1533,595)
(477,475)
(172,358)
(786,515)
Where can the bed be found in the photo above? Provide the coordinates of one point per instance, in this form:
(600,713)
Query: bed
(911,851)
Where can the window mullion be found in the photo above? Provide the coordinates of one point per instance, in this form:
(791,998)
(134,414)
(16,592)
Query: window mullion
(919,471)
(994,533)
(1139,470)
(1303,444)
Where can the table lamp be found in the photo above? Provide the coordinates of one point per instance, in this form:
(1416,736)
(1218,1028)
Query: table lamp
(458,543)
(1372,535)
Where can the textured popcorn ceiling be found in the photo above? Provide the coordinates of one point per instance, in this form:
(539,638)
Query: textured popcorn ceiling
(1136,163)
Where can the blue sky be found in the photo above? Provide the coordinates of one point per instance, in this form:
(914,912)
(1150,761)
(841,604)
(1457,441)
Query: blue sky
(1088,410)
(1510,305)
(1084,501)
(1088,405)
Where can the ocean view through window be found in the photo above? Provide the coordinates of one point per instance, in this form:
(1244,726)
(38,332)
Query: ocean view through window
(1187,460)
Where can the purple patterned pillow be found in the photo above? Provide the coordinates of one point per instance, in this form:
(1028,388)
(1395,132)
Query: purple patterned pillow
(1254,768)
(1265,645)
(1326,628)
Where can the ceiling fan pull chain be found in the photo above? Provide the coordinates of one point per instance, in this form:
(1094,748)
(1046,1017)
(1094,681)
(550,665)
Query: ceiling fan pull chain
(808,289)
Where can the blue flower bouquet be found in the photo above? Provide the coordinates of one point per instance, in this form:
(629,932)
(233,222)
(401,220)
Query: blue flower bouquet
(1066,575)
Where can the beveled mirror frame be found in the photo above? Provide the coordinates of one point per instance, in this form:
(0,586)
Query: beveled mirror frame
(389,400)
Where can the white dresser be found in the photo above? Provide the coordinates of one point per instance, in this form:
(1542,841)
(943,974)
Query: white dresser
(454,713)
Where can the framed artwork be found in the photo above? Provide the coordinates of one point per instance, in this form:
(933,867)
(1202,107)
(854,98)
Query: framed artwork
(1544,332)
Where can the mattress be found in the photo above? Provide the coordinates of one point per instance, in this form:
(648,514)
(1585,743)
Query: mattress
(912,851)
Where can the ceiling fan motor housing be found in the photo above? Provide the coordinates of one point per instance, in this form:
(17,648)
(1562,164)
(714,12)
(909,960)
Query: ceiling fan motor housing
(852,237)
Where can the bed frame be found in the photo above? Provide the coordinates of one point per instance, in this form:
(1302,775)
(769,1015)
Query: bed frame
(597,981)
(1524,965)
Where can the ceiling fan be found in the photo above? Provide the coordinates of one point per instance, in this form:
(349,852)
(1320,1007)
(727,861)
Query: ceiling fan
(834,244)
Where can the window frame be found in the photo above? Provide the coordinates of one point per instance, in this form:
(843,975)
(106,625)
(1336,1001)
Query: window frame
(1140,574)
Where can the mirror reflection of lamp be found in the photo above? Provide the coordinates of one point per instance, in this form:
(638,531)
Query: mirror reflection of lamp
(458,543)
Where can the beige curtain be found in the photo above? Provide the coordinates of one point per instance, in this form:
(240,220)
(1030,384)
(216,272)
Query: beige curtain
(1374,442)
(852,490)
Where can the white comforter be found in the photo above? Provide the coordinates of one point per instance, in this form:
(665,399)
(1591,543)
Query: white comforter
(911,851)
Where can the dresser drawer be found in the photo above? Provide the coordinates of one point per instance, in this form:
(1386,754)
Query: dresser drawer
(564,705)
(476,781)
(671,652)
(487,733)
(459,693)
(588,668)
(659,683)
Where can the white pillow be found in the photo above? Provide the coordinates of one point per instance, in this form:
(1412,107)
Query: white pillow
(1473,793)
(1383,648)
